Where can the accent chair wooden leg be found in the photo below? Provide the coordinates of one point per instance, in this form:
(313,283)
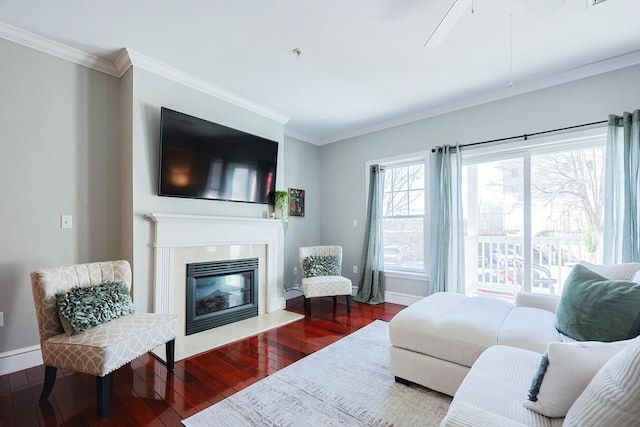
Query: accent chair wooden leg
(49,380)
(170,348)
(307,306)
(102,394)
(348,303)
(335,301)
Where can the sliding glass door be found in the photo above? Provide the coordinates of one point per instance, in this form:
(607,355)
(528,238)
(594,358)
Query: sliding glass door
(531,212)
(493,204)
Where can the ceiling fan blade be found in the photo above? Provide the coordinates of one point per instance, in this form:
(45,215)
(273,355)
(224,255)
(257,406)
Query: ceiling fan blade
(448,21)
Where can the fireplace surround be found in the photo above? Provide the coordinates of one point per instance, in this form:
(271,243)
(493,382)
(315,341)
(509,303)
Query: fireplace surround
(183,239)
(177,232)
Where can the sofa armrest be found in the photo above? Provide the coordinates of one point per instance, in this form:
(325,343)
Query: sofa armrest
(462,414)
(544,302)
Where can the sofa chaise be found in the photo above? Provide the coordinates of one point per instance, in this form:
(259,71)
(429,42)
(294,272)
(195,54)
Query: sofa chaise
(485,352)
(435,341)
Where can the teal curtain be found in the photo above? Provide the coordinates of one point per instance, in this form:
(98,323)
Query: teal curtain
(447,228)
(371,285)
(622,187)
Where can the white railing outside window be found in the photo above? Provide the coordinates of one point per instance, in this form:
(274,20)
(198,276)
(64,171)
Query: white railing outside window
(532,211)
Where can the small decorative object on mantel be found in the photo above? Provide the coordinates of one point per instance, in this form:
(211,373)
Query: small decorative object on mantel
(296,202)
(282,207)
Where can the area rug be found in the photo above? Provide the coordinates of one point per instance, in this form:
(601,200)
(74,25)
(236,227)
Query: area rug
(347,383)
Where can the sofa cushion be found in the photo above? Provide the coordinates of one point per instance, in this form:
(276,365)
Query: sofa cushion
(612,396)
(498,382)
(564,372)
(462,414)
(593,308)
(529,328)
(458,328)
(623,271)
(83,307)
(450,326)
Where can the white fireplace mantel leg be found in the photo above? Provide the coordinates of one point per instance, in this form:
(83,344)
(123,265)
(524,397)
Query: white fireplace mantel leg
(163,301)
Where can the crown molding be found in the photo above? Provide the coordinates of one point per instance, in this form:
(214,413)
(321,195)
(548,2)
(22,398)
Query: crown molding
(129,58)
(125,60)
(122,63)
(132,58)
(34,41)
(293,134)
(589,70)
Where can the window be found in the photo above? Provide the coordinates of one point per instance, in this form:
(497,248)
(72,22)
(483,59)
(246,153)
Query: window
(532,212)
(404,216)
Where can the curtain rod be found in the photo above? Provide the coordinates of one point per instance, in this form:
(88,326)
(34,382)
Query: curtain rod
(526,135)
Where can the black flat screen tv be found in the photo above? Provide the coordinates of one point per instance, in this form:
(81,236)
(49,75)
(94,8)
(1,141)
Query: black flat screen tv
(204,160)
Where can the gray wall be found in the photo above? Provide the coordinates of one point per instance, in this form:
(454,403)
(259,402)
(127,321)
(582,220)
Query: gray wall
(59,154)
(302,172)
(342,171)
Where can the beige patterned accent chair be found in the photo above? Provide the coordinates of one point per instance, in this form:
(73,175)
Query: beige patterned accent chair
(101,349)
(318,282)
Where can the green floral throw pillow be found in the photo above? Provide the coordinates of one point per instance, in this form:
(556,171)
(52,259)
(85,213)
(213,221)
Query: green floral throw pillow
(316,265)
(84,307)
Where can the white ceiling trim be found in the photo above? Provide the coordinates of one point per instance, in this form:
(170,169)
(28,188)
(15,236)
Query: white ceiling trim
(145,62)
(128,58)
(589,70)
(34,41)
(296,135)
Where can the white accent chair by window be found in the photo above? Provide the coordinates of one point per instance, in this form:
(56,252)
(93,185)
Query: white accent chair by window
(321,268)
(101,349)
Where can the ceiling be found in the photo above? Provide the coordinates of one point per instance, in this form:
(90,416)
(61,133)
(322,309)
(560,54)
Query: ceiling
(363,65)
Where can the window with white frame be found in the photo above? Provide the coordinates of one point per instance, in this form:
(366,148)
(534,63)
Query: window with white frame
(404,220)
(532,211)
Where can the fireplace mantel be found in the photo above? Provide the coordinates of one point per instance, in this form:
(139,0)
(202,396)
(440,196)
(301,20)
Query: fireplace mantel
(180,230)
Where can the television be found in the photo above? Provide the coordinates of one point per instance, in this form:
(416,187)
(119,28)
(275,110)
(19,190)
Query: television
(204,160)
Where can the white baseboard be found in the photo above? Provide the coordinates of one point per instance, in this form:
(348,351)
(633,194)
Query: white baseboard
(402,299)
(22,358)
(392,297)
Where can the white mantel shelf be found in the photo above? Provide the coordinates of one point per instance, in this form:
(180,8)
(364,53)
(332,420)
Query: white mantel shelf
(181,230)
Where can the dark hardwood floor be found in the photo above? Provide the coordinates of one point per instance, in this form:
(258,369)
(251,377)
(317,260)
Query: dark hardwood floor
(143,395)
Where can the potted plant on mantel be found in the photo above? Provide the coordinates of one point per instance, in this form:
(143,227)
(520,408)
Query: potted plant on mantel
(281,207)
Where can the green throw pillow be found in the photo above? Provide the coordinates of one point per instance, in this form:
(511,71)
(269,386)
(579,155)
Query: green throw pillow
(594,308)
(316,265)
(84,307)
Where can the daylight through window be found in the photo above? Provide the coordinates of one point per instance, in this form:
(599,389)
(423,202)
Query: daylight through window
(404,216)
(531,214)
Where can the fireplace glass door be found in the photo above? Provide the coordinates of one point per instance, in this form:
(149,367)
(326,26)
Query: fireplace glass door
(221,292)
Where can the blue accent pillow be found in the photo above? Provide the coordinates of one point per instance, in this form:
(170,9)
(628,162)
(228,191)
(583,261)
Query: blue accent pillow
(84,307)
(534,388)
(317,265)
(594,308)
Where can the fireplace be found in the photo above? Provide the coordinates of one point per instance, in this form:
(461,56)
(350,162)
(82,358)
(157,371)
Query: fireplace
(220,292)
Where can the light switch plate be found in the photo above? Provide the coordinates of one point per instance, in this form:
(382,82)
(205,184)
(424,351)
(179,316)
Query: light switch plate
(66,221)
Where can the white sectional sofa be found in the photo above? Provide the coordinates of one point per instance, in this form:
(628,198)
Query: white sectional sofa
(485,352)
(436,340)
